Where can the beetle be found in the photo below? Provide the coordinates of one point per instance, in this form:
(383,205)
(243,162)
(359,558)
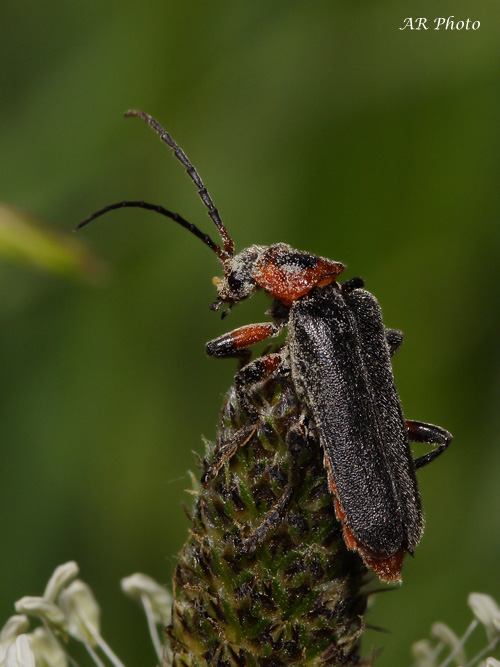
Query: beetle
(338,353)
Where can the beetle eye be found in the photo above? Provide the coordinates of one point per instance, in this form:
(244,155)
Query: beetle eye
(236,280)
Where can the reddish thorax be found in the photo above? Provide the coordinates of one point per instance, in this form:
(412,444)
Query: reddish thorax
(287,275)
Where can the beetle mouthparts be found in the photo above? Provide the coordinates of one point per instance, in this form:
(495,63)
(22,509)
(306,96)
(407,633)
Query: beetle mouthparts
(216,305)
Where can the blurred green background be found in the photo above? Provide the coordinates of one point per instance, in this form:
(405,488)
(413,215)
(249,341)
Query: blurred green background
(316,123)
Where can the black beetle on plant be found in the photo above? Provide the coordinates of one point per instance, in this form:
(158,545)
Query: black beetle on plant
(338,353)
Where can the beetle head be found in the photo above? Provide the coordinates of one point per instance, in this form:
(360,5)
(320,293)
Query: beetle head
(238,281)
(284,273)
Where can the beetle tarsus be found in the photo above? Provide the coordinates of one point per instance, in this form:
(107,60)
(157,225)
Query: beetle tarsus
(431,435)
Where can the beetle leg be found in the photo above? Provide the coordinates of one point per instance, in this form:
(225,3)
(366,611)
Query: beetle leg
(394,339)
(252,374)
(430,434)
(224,453)
(236,343)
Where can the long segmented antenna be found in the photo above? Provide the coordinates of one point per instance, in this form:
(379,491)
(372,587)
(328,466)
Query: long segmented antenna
(157,209)
(228,252)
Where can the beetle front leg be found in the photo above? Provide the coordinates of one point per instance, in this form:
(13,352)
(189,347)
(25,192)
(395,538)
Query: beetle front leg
(429,434)
(251,375)
(235,344)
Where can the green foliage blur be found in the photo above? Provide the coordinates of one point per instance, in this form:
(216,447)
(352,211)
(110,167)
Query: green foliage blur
(316,123)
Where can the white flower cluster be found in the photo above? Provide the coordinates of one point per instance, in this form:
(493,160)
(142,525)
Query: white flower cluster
(486,613)
(68,609)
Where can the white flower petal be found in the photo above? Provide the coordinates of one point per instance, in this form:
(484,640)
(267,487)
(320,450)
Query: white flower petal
(62,576)
(82,611)
(47,649)
(423,653)
(445,634)
(138,585)
(491,662)
(19,654)
(15,625)
(42,608)
(487,612)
